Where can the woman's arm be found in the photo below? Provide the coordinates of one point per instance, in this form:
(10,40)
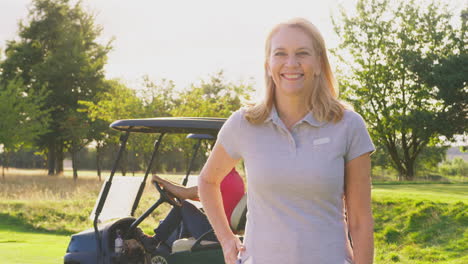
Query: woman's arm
(178,191)
(358,204)
(218,165)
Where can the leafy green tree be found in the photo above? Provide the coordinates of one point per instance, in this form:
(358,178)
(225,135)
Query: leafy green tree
(79,133)
(385,47)
(57,49)
(449,78)
(430,158)
(455,167)
(158,97)
(115,102)
(159,100)
(215,97)
(22,120)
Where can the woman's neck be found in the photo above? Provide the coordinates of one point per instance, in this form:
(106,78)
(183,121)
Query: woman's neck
(291,109)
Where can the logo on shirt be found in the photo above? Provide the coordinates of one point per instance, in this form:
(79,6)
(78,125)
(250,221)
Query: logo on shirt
(321,141)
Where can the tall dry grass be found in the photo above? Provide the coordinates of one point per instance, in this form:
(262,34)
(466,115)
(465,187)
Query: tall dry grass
(32,187)
(58,203)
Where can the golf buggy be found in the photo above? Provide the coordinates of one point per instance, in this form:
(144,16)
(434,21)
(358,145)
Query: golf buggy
(113,215)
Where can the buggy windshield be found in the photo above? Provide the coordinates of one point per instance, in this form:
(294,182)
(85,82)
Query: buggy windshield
(120,199)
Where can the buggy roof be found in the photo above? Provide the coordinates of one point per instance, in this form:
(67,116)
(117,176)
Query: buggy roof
(183,125)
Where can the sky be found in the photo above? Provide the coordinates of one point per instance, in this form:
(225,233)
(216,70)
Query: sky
(185,40)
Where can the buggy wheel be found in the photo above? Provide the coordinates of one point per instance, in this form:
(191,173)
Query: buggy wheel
(158,260)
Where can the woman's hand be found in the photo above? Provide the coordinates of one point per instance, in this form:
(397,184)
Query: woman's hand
(159,180)
(231,248)
(173,189)
(162,182)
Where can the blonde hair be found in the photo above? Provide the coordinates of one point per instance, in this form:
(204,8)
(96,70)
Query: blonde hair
(322,101)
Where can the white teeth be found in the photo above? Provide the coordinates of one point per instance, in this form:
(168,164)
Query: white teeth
(292,76)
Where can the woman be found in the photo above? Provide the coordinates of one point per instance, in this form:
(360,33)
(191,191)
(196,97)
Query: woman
(194,221)
(306,158)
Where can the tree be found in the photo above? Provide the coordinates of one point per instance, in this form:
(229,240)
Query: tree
(213,98)
(57,50)
(152,99)
(449,78)
(158,97)
(22,119)
(385,47)
(79,132)
(116,101)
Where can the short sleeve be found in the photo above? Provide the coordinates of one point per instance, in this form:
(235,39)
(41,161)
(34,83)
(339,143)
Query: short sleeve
(358,139)
(228,136)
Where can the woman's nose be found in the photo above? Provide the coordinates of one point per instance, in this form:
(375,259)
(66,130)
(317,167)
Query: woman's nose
(292,61)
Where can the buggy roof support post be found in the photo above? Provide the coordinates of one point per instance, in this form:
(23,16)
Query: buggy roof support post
(194,155)
(157,142)
(105,192)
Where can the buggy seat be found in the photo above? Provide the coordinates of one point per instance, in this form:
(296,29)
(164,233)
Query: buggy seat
(238,219)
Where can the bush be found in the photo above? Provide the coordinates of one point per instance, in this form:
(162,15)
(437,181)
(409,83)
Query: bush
(455,167)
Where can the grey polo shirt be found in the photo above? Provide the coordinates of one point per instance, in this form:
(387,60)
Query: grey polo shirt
(295,185)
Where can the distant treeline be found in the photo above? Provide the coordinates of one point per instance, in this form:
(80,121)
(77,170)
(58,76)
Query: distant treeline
(173,161)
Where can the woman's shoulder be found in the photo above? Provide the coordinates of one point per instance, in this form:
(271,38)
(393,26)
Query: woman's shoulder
(350,116)
(236,120)
(353,121)
(239,115)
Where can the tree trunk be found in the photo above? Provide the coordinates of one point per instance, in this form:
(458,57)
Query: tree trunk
(404,166)
(98,160)
(3,166)
(51,159)
(74,165)
(7,162)
(409,170)
(59,159)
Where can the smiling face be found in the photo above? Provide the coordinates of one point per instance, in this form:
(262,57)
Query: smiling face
(292,62)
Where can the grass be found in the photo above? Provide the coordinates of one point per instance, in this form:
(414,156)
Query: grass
(19,244)
(440,193)
(414,223)
(420,223)
(420,231)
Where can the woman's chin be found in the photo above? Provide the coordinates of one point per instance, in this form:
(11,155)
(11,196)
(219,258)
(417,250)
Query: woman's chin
(292,91)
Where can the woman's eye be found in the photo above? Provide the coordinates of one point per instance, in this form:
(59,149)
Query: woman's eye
(303,53)
(280,54)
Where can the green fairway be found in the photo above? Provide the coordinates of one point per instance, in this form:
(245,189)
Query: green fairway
(440,193)
(18,245)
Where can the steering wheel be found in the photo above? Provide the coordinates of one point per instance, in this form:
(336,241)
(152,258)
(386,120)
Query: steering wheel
(174,201)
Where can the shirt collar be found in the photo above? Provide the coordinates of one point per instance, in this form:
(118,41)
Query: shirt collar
(273,117)
(309,118)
